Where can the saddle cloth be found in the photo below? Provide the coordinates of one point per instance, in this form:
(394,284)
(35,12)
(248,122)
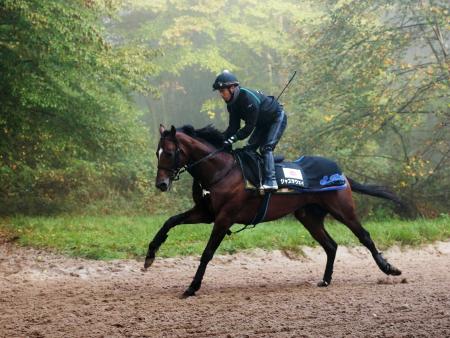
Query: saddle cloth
(306,174)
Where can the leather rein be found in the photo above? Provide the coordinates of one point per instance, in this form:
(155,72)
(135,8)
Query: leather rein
(176,170)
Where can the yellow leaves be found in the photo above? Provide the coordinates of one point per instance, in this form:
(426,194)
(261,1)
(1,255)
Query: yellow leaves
(388,62)
(145,5)
(180,33)
(417,167)
(328,118)
(383,100)
(210,107)
(209,7)
(405,66)
(438,10)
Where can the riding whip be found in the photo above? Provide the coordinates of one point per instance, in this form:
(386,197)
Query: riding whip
(290,80)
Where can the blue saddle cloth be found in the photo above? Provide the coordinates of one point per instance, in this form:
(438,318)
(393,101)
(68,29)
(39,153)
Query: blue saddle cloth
(308,173)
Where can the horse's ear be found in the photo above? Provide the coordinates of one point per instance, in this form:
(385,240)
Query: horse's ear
(161,129)
(173,131)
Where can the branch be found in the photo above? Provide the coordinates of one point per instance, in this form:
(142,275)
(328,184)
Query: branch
(379,156)
(400,71)
(402,141)
(430,44)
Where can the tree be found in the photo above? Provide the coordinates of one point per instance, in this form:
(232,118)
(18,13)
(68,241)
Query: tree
(376,93)
(66,98)
(199,38)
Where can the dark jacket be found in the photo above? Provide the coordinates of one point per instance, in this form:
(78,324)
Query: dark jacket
(252,106)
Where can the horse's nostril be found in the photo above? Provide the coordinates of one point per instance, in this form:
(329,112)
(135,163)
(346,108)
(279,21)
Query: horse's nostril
(162,186)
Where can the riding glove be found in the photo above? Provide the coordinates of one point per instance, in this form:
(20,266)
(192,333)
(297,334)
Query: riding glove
(230,141)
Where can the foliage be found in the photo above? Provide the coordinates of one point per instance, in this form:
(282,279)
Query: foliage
(196,39)
(109,237)
(67,119)
(375,93)
(372,93)
(199,38)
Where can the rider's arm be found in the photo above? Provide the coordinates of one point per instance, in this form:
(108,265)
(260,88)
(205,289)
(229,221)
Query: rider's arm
(233,125)
(250,111)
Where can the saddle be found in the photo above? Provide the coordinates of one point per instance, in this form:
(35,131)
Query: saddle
(306,174)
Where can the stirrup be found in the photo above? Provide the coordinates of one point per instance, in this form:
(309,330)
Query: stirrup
(267,187)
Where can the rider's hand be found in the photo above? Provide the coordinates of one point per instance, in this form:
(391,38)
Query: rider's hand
(228,142)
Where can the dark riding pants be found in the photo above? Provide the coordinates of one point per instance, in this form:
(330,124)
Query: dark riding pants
(266,138)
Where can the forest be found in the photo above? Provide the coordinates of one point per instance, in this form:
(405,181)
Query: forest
(85,84)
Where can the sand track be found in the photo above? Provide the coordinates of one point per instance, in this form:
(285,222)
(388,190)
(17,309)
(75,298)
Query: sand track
(256,294)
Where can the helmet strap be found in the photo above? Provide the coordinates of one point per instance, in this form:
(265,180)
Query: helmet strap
(234,95)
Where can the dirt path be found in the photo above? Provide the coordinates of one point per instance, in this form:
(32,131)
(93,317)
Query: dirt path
(256,294)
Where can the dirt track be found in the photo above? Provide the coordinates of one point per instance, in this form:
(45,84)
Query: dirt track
(256,294)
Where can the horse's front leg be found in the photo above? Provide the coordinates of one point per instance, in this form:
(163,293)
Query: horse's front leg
(221,226)
(192,216)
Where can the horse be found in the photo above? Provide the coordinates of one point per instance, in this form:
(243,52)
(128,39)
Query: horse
(229,202)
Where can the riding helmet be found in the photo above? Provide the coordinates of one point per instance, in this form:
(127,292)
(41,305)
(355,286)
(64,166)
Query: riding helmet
(224,80)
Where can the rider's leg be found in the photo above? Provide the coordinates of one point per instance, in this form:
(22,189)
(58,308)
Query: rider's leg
(270,141)
(270,181)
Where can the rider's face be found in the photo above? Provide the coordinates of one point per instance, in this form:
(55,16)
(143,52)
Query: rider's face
(227,93)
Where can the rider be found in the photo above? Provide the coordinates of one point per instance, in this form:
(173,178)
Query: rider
(263,116)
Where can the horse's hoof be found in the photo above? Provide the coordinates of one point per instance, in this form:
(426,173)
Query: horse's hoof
(323,284)
(188,293)
(394,271)
(148,262)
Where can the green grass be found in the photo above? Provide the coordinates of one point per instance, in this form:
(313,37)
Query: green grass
(110,237)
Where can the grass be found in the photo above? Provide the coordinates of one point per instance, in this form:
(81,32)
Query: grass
(111,237)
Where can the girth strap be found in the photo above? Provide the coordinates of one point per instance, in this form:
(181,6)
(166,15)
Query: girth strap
(260,215)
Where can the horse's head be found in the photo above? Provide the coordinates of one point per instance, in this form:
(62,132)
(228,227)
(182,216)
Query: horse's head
(169,158)
(176,152)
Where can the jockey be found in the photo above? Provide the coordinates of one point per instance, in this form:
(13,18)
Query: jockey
(264,119)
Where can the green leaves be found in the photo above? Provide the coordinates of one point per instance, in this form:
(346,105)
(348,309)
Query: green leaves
(375,85)
(66,92)
(200,38)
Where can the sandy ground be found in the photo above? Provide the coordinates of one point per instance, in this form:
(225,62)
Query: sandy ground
(256,294)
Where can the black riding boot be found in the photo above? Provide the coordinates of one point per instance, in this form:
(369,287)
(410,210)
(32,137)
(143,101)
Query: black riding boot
(270,181)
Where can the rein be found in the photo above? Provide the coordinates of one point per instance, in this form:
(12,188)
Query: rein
(189,167)
(177,170)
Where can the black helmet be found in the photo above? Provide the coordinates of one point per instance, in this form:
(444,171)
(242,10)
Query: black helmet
(225,80)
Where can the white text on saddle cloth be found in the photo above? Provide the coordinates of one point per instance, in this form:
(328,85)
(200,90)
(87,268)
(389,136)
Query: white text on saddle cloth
(292,173)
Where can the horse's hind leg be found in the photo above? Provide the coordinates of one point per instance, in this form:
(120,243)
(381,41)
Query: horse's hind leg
(343,209)
(312,217)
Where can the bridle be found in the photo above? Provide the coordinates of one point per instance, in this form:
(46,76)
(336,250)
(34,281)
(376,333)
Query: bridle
(176,169)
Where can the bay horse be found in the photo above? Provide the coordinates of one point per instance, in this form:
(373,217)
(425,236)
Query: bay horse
(228,202)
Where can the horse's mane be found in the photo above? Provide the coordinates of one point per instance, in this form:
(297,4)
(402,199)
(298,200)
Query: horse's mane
(209,134)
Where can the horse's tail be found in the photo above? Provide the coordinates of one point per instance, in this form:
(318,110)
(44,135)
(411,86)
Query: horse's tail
(402,208)
(375,190)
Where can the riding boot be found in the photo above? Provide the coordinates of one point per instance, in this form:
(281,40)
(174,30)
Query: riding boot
(270,181)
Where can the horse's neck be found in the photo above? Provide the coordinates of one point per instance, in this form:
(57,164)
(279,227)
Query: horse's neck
(208,171)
